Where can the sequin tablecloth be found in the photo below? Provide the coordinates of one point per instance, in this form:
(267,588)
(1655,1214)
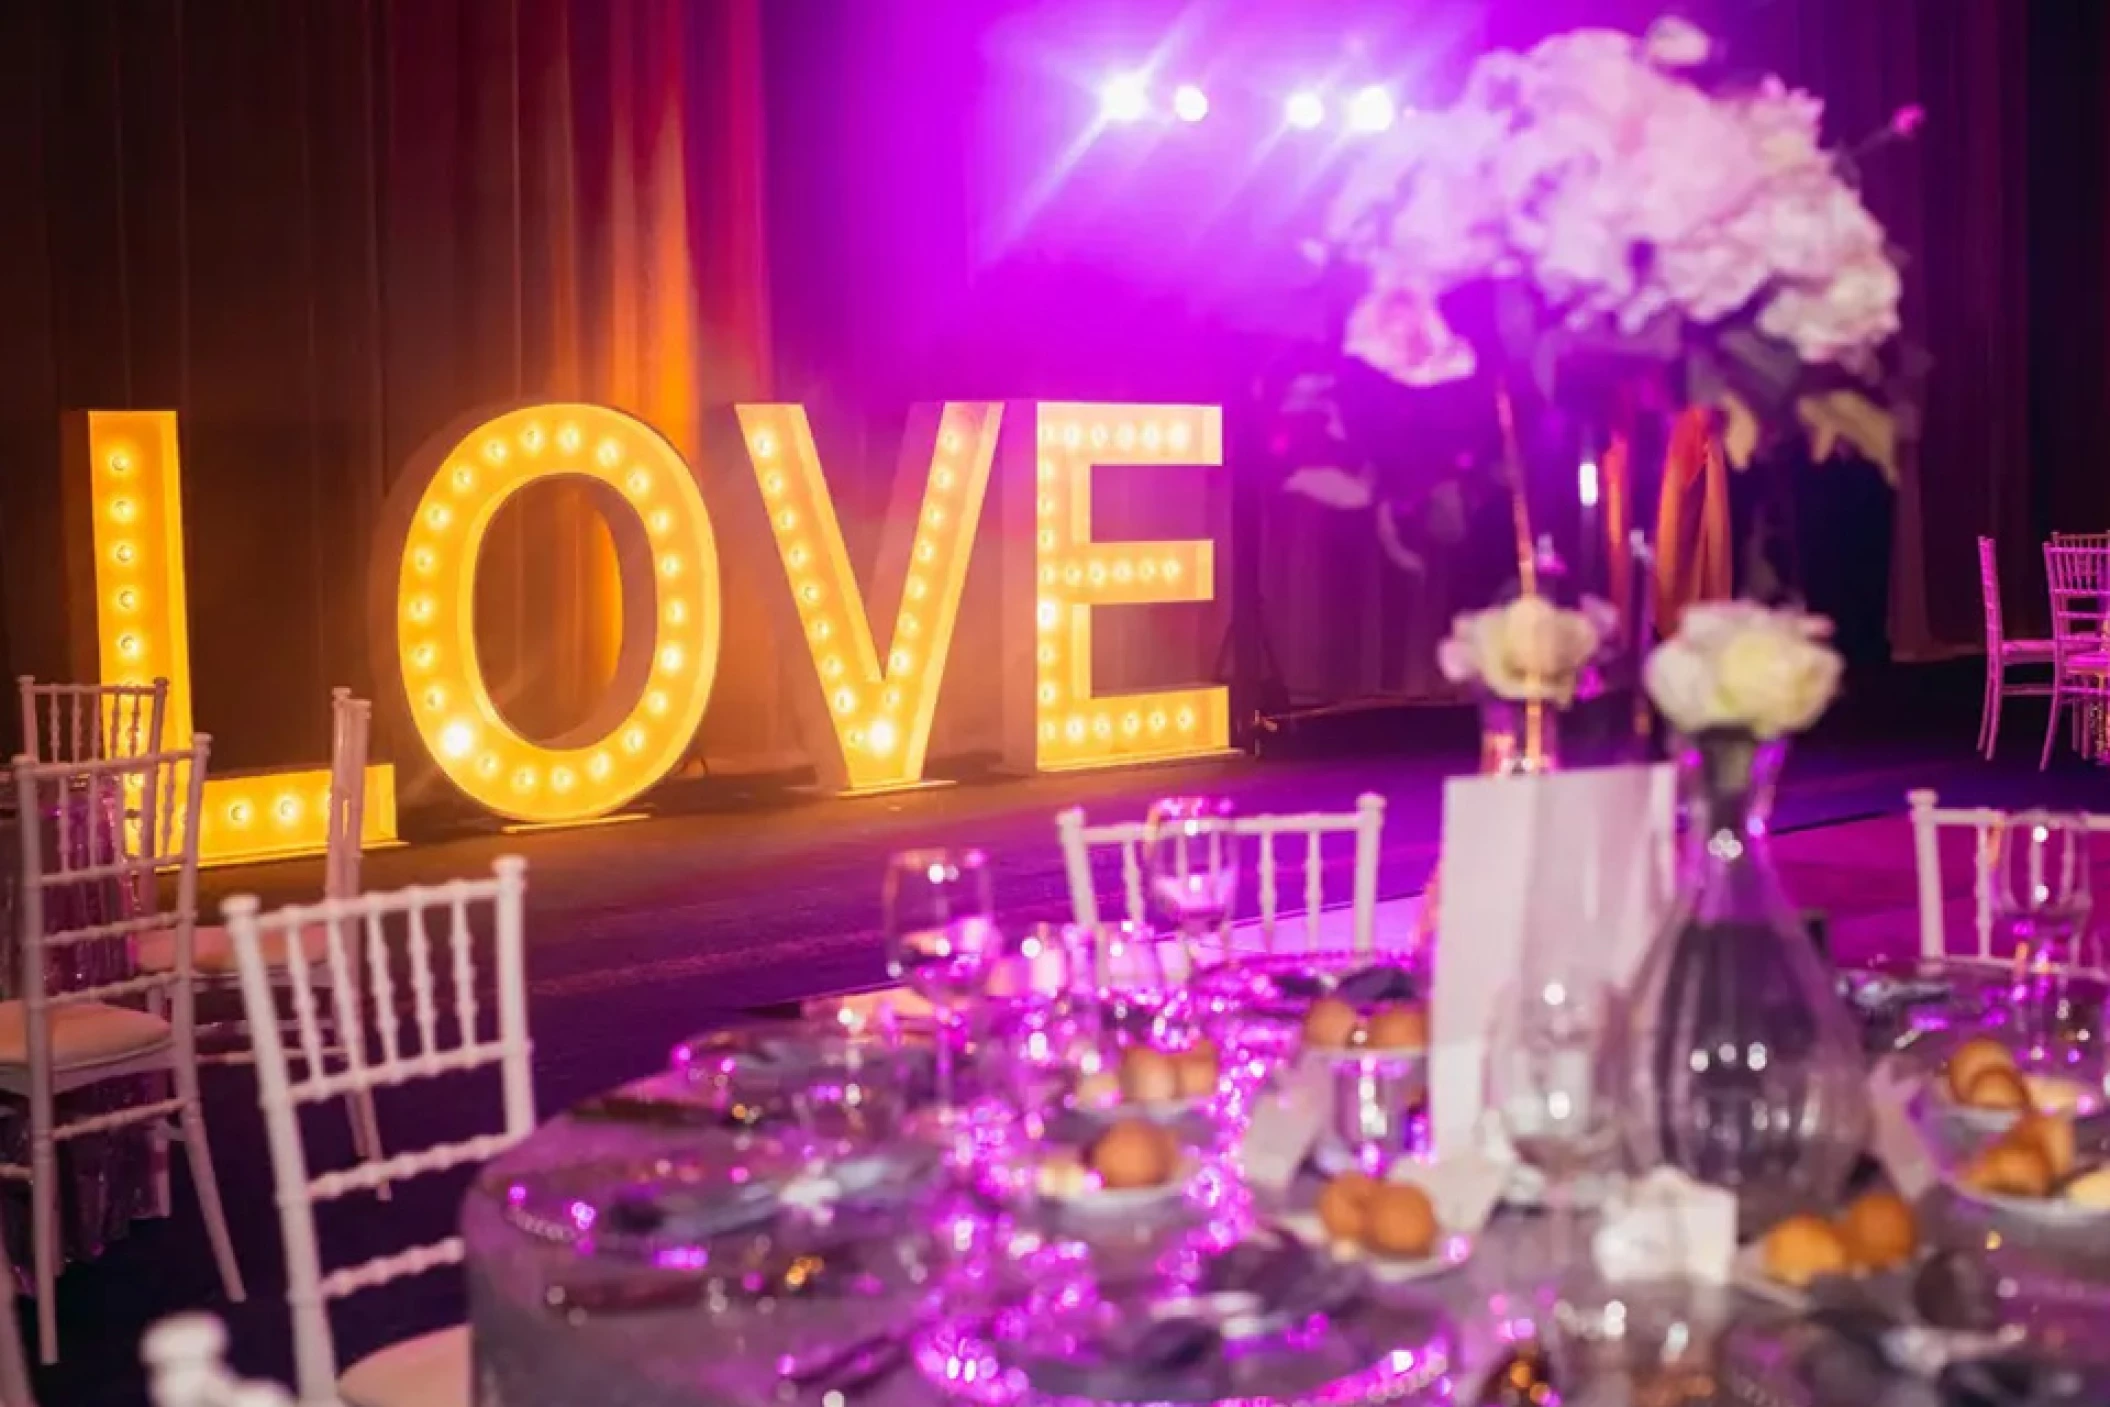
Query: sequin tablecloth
(107,1179)
(529,1355)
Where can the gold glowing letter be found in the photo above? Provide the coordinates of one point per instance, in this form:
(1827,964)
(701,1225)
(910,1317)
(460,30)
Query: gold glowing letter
(1071,575)
(878,712)
(671,605)
(135,480)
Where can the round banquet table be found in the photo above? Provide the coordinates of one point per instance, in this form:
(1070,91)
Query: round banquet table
(529,1355)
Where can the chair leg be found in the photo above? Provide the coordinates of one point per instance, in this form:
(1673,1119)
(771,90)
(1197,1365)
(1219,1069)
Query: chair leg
(1989,714)
(44,1243)
(208,1185)
(2051,725)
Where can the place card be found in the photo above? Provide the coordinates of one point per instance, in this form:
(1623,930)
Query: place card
(1894,1137)
(1284,1125)
(1580,862)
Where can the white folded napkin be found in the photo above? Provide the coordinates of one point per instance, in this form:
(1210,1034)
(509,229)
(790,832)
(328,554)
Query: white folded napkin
(1665,1226)
(1463,1189)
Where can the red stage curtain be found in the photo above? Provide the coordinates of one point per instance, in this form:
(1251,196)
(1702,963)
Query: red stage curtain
(325,231)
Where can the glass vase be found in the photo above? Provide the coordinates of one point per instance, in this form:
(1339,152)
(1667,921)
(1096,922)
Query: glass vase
(1519,737)
(1748,1071)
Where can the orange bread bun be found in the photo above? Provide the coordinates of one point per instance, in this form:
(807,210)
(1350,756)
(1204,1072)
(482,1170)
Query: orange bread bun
(1148,1076)
(1344,1205)
(1400,1221)
(1972,1059)
(1195,1070)
(2010,1169)
(1331,1024)
(2049,1134)
(1802,1248)
(1398,1028)
(1134,1153)
(1997,1089)
(1880,1231)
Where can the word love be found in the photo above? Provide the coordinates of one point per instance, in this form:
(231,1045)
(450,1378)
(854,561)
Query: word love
(865,711)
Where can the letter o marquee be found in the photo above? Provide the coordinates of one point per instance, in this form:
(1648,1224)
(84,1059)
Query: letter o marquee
(668,557)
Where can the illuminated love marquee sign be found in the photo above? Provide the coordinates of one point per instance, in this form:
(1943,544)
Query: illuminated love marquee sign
(866,706)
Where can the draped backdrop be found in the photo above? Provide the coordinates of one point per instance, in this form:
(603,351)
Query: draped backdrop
(324,229)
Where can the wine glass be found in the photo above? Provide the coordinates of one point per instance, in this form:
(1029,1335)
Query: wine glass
(1191,858)
(1042,1024)
(2040,902)
(940,941)
(1553,1082)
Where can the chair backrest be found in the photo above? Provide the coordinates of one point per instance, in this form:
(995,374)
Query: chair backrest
(1984,823)
(186,1361)
(1366,823)
(2099,542)
(85,722)
(351,726)
(371,937)
(1989,594)
(94,835)
(2079,578)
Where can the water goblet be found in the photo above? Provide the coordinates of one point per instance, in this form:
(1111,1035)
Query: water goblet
(940,941)
(2040,902)
(1553,1083)
(1191,860)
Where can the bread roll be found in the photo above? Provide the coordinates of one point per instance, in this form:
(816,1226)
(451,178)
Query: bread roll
(1402,1027)
(2010,1169)
(1134,1153)
(1400,1221)
(1997,1089)
(2049,1134)
(1880,1231)
(1148,1076)
(1343,1206)
(2091,1189)
(1972,1059)
(1802,1248)
(1195,1070)
(1331,1024)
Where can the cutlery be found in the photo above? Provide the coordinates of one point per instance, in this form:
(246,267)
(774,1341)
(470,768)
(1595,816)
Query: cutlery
(649,1112)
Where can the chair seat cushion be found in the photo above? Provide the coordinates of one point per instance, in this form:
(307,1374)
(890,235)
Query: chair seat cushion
(431,1370)
(212,949)
(87,1033)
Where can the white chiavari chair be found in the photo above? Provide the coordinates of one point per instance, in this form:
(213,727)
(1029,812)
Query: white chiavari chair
(54,1042)
(186,1362)
(2096,542)
(212,960)
(1366,823)
(14,1365)
(2002,653)
(384,932)
(85,722)
(1983,824)
(2080,638)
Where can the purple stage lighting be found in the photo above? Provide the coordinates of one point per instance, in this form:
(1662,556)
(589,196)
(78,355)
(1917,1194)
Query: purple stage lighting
(1304,111)
(1125,98)
(1371,111)
(1190,104)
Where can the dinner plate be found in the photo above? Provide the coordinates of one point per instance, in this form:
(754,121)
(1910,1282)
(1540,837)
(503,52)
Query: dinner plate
(2056,1213)
(1450,1252)
(1066,1185)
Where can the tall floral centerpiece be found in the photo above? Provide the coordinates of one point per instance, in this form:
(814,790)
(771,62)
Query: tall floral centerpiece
(1604,223)
(1524,659)
(1747,1068)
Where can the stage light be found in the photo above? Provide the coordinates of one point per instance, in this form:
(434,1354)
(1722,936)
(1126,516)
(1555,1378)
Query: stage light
(860,746)
(1125,98)
(1371,110)
(1063,722)
(133,470)
(1304,111)
(1189,103)
(668,658)
(1586,483)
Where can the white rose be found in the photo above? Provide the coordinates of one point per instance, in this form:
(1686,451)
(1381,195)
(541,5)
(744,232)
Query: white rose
(1680,682)
(1773,680)
(1672,42)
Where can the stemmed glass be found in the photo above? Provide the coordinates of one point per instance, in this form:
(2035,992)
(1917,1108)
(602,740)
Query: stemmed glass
(1191,858)
(1553,1082)
(940,940)
(2040,902)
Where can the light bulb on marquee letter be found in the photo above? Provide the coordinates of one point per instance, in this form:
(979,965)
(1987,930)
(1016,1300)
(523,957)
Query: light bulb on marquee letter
(877,708)
(668,557)
(1058,575)
(129,463)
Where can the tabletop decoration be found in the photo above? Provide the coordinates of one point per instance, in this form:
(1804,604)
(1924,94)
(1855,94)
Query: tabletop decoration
(1524,658)
(1747,1068)
(1665,1226)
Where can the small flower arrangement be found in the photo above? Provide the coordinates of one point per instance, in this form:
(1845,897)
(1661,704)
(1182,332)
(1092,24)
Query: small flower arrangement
(1528,650)
(1738,665)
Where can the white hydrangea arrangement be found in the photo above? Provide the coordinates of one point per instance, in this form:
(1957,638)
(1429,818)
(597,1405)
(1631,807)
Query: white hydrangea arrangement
(1527,650)
(1738,665)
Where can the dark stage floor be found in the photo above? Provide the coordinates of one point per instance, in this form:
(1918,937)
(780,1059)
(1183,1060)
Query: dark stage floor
(642,933)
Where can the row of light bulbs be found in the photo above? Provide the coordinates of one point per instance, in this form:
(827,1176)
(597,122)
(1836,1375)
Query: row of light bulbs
(1128,98)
